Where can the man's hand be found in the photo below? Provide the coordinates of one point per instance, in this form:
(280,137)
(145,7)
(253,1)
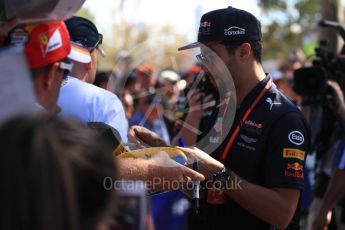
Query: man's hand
(160,172)
(163,166)
(198,103)
(144,137)
(208,165)
(7,27)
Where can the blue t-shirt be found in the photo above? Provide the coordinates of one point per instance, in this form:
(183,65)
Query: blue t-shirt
(89,103)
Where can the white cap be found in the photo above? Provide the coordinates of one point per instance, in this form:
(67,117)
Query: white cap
(79,54)
(169,75)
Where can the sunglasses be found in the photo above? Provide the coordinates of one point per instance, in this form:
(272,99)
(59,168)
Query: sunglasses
(84,42)
(99,42)
(205,58)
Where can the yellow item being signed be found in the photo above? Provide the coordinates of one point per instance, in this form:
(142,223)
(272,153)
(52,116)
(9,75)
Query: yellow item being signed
(146,153)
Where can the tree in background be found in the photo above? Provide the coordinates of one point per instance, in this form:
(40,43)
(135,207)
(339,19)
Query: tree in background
(289,25)
(332,10)
(144,43)
(84,12)
(298,28)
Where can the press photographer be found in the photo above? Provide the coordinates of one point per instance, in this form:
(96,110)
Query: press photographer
(321,87)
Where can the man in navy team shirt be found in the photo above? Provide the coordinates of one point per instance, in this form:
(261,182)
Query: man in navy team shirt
(256,175)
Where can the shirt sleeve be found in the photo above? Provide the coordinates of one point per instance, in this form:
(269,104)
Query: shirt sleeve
(111,112)
(288,144)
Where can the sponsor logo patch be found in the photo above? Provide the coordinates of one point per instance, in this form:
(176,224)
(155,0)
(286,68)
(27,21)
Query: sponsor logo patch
(44,39)
(214,140)
(295,166)
(234,30)
(296,137)
(247,139)
(251,148)
(54,42)
(272,103)
(296,174)
(294,170)
(252,126)
(294,153)
(19,37)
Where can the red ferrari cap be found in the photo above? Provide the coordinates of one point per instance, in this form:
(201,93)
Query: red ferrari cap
(46,43)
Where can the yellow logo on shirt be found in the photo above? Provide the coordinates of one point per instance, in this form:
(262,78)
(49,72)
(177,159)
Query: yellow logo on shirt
(294,153)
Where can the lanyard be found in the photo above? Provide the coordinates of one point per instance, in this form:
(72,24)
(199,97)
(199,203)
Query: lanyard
(225,153)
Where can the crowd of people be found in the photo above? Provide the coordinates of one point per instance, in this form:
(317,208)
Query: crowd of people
(250,137)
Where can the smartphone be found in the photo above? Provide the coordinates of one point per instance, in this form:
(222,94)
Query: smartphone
(132,205)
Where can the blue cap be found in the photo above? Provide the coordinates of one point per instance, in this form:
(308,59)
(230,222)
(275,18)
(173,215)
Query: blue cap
(229,25)
(83,32)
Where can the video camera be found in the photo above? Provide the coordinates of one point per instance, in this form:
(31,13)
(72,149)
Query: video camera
(311,82)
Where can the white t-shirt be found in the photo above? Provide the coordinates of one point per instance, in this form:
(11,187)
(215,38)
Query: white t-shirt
(89,103)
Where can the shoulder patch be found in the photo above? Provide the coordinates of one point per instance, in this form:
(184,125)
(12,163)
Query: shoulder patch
(294,153)
(296,137)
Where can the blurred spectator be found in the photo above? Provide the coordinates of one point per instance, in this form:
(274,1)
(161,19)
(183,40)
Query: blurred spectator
(84,101)
(334,193)
(123,63)
(85,34)
(145,79)
(150,117)
(53,173)
(332,203)
(145,86)
(123,67)
(130,85)
(127,84)
(168,80)
(296,59)
(285,85)
(102,79)
(192,74)
(6,27)
(169,90)
(47,49)
(128,103)
(199,117)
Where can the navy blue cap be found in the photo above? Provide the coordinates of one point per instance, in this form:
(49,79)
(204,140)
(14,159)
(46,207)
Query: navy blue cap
(230,25)
(83,32)
(107,133)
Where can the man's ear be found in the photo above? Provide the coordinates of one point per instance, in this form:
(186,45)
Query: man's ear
(49,78)
(87,66)
(244,52)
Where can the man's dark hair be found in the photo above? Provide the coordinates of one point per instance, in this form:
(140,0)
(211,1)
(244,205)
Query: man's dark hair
(101,77)
(256,48)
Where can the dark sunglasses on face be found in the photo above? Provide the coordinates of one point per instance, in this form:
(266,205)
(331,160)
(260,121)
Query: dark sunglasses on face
(206,58)
(99,42)
(85,41)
